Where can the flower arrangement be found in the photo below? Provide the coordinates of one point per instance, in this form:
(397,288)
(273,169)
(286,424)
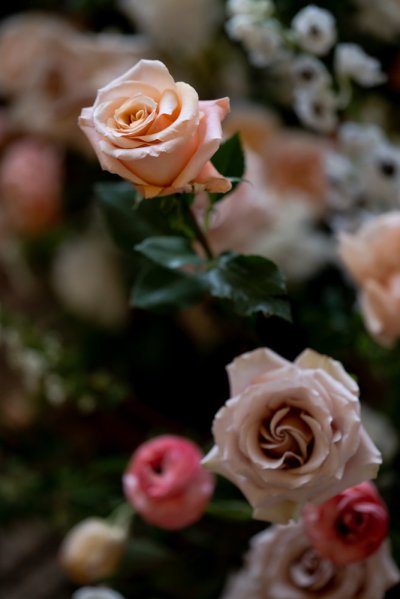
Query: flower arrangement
(153,239)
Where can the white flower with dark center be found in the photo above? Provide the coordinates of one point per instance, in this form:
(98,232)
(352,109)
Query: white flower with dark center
(315,29)
(316,108)
(358,138)
(308,71)
(381,174)
(351,62)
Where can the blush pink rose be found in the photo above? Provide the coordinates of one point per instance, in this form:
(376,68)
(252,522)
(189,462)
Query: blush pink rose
(291,433)
(31,185)
(166,483)
(282,564)
(155,133)
(349,527)
(372,257)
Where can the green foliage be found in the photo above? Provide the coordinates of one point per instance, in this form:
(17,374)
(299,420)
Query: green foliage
(171,252)
(252,283)
(229,161)
(162,289)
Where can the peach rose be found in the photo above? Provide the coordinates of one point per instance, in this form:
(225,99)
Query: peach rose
(166,483)
(291,433)
(372,257)
(349,527)
(281,564)
(155,133)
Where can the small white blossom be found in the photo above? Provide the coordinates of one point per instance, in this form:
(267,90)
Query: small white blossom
(358,138)
(308,71)
(31,365)
(343,185)
(265,44)
(256,9)
(240,27)
(315,29)
(316,108)
(96,593)
(54,390)
(381,174)
(353,63)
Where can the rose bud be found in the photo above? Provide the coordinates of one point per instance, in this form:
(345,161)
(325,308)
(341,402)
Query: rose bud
(155,132)
(92,549)
(166,483)
(349,527)
(30,185)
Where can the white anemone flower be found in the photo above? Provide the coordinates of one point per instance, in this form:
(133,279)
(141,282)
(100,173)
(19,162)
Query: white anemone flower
(353,63)
(315,29)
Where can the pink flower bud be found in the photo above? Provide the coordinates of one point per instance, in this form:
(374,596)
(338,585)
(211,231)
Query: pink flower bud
(166,483)
(349,527)
(30,185)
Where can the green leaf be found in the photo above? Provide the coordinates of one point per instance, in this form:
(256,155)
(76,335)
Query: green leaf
(171,252)
(230,509)
(129,218)
(252,283)
(161,289)
(229,161)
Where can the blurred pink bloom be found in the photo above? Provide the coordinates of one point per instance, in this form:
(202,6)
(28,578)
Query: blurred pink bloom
(31,185)
(166,483)
(49,70)
(349,527)
(372,257)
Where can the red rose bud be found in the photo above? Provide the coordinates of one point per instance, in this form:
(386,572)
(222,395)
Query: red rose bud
(349,527)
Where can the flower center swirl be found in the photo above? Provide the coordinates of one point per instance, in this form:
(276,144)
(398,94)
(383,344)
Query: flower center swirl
(311,572)
(286,437)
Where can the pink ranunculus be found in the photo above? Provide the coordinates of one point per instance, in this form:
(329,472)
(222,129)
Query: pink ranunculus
(372,257)
(166,483)
(155,133)
(291,433)
(31,185)
(349,527)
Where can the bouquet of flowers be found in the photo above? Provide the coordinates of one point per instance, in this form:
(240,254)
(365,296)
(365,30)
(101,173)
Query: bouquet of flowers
(200,306)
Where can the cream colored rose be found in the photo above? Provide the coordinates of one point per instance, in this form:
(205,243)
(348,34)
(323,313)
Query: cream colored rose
(291,433)
(372,256)
(92,549)
(281,564)
(155,133)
